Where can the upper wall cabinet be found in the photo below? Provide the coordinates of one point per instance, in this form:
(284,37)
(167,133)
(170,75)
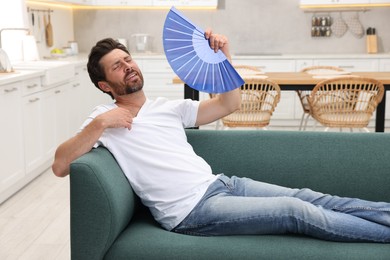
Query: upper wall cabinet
(186,3)
(123,2)
(147,3)
(333,2)
(80,2)
(342,3)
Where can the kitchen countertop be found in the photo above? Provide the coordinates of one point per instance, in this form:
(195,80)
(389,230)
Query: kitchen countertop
(82,58)
(6,78)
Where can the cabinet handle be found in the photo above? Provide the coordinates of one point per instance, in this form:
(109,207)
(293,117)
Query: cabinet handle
(33,100)
(32,86)
(10,90)
(57,92)
(76,85)
(347,66)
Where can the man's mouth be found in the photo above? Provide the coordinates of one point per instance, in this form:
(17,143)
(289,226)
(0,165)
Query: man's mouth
(130,76)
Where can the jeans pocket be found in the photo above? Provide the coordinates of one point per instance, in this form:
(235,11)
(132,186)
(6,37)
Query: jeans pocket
(227,181)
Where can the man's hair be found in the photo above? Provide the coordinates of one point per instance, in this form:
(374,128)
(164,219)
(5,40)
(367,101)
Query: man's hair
(102,47)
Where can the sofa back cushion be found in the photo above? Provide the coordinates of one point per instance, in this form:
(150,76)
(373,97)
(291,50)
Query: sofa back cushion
(346,164)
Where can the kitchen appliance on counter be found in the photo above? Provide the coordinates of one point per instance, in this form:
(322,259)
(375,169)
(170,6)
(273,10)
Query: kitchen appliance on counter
(141,43)
(5,63)
(122,41)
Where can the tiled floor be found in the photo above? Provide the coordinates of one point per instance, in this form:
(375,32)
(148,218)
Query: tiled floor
(34,223)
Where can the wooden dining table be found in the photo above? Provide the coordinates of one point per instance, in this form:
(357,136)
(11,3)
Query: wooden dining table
(289,81)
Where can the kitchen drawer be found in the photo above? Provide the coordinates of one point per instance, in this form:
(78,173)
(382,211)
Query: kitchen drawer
(351,64)
(31,86)
(156,66)
(268,65)
(301,64)
(384,65)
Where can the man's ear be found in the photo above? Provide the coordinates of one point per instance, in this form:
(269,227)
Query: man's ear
(104,86)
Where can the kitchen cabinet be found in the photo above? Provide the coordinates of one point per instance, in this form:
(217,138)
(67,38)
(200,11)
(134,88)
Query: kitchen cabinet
(11,138)
(301,64)
(186,3)
(307,4)
(384,65)
(45,125)
(80,2)
(268,65)
(387,2)
(123,2)
(158,79)
(333,2)
(350,64)
(33,135)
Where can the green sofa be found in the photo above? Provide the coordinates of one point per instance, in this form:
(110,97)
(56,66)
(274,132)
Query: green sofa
(108,221)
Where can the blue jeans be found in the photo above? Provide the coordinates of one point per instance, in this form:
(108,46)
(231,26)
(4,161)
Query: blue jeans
(235,206)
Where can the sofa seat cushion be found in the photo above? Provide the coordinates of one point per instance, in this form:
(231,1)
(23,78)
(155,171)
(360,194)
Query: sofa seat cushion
(144,239)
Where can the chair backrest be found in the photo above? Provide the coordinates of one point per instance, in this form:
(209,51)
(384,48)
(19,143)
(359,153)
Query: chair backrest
(345,101)
(247,70)
(304,94)
(321,69)
(259,98)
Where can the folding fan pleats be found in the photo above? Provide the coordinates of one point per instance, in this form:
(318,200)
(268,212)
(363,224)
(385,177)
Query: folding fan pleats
(191,58)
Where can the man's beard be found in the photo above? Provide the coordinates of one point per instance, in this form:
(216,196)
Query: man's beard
(127,89)
(133,89)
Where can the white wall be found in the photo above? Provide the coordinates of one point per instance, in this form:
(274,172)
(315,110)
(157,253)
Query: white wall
(251,25)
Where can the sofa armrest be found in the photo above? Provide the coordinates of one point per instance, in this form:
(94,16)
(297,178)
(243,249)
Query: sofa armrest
(102,204)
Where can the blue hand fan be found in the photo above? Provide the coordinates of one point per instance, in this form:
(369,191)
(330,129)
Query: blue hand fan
(191,58)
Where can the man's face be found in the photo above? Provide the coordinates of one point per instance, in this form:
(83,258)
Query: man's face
(123,75)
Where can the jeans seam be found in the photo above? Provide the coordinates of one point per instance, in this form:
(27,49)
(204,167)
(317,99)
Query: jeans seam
(185,231)
(361,208)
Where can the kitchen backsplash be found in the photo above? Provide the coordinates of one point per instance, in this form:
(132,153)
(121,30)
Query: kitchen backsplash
(253,26)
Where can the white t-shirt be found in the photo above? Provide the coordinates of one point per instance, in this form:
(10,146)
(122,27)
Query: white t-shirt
(160,164)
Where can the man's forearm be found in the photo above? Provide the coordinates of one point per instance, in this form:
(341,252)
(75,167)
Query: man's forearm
(75,147)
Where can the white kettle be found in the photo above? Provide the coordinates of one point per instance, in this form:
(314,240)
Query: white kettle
(5,63)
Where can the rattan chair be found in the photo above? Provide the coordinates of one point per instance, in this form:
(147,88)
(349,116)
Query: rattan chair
(244,71)
(345,102)
(304,94)
(259,98)
(247,70)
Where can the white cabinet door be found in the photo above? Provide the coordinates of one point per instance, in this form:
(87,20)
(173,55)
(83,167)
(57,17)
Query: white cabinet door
(384,65)
(351,64)
(158,77)
(11,138)
(80,2)
(380,2)
(32,126)
(268,65)
(124,2)
(186,3)
(333,2)
(301,64)
(49,119)
(77,107)
(62,109)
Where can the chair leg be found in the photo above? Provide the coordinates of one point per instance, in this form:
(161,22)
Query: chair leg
(301,124)
(218,124)
(306,120)
(326,129)
(366,130)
